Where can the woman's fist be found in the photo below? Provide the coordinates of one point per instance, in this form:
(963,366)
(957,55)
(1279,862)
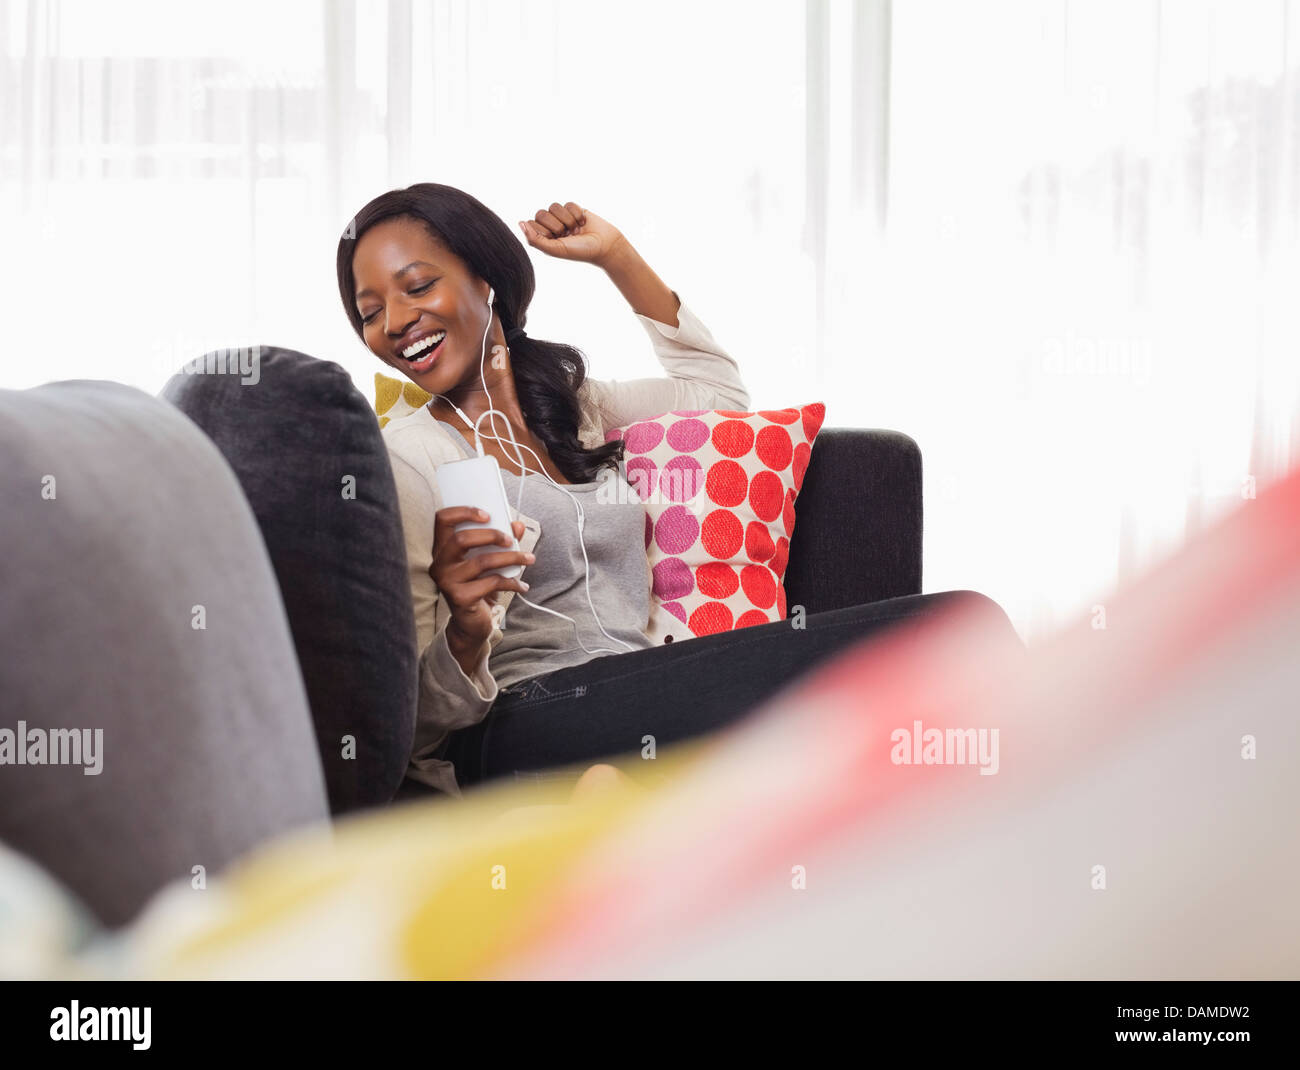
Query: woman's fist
(572,233)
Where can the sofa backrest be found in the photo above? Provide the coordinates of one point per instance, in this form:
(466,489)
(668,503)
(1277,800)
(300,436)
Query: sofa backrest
(307,450)
(858,521)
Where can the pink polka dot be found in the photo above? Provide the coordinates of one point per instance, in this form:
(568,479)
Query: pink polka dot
(759,584)
(710,618)
(773,447)
(687,435)
(676,530)
(802,453)
(649,530)
(681,480)
(722,534)
(641,473)
(717,580)
(813,415)
(672,579)
(733,438)
(727,484)
(758,541)
(675,608)
(643,436)
(613,433)
(765,495)
(688,412)
(751,617)
(780,416)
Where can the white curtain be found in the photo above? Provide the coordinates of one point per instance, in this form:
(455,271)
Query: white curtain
(1054,242)
(1085,309)
(177,175)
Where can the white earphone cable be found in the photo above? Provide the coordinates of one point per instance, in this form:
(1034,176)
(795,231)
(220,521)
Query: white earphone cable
(524,470)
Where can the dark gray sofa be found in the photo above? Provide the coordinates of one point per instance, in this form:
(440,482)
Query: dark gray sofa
(296,700)
(291,438)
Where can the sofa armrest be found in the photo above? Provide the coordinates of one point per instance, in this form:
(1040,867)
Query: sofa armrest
(858,520)
(201,736)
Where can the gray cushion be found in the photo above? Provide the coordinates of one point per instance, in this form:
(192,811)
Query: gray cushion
(207,745)
(292,430)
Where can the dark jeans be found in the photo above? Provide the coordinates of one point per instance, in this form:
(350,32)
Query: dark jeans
(674,692)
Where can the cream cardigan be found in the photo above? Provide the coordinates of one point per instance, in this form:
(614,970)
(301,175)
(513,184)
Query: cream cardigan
(701,375)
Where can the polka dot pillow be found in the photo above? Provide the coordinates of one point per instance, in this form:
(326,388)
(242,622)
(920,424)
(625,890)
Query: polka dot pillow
(719,489)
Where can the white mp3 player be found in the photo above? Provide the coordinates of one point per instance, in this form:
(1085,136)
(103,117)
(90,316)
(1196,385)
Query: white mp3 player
(476,482)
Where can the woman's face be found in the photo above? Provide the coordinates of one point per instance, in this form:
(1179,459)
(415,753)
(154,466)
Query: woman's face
(410,291)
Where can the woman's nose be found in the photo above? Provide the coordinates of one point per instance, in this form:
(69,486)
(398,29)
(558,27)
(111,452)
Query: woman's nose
(398,325)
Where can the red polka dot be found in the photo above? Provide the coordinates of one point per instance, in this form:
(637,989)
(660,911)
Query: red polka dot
(733,414)
(710,618)
(801,454)
(727,483)
(787,512)
(758,541)
(780,416)
(764,495)
(780,601)
(722,534)
(813,415)
(781,557)
(752,617)
(773,447)
(760,585)
(716,580)
(733,438)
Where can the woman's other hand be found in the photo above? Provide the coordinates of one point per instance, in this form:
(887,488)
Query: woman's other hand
(573,233)
(464,581)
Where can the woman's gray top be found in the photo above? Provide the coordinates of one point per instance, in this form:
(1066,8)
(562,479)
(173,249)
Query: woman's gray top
(534,642)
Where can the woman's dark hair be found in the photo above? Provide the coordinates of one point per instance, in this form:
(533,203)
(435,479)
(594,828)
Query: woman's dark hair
(547,374)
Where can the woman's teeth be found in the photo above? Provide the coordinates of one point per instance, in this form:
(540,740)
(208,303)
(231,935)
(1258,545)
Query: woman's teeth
(423,353)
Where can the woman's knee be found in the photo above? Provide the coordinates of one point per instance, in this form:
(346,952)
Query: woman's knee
(985,607)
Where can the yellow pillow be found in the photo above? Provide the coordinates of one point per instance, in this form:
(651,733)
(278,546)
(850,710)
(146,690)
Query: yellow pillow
(395,398)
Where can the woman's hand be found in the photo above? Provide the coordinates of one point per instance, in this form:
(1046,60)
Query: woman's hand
(573,233)
(464,581)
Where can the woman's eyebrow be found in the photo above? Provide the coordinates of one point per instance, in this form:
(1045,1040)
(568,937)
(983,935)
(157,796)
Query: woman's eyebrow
(397,275)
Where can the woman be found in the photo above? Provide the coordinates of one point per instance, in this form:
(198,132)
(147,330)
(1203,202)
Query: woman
(415,272)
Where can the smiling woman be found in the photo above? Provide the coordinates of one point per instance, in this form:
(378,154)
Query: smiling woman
(420,262)
(434,283)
